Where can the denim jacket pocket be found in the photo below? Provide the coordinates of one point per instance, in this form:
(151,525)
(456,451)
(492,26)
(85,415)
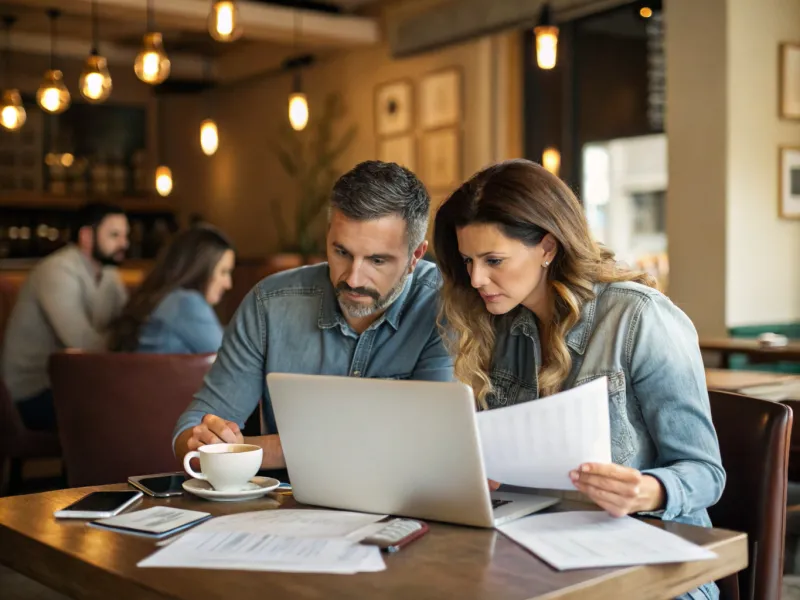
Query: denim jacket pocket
(508,389)
(622,446)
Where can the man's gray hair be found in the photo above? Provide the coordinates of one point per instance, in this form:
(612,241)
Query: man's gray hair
(375,189)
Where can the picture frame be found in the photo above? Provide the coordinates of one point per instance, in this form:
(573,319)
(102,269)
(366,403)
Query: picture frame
(789,182)
(399,149)
(440,166)
(789,81)
(394,107)
(440,99)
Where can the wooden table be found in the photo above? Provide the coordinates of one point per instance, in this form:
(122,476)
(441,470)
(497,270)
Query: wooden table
(449,562)
(727,346)
(732,381)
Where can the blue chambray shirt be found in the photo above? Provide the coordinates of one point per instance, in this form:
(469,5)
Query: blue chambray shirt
(182,323)
(291,323)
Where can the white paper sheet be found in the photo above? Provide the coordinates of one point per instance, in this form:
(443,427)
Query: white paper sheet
(536,444)
(264,552)
(593,539)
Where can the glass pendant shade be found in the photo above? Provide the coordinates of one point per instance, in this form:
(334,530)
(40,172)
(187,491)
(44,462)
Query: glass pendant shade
(152,64)
(53,96)
(12,113)
(95,82)
(224,24)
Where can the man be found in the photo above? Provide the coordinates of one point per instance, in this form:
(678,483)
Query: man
(369,312)
(67,301)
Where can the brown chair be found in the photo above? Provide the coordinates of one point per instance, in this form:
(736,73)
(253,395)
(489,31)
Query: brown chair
(754,441)
(116,412)
(18,444)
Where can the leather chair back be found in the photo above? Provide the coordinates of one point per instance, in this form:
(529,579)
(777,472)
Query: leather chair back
(754,439)
(116,412)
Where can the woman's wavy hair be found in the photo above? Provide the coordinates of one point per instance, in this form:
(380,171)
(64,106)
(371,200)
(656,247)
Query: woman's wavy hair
(187,262)
(526,202)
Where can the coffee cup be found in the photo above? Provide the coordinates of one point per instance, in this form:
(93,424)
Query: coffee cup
(227,467)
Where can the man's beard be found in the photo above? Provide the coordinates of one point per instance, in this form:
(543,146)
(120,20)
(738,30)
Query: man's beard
(107,260)
(356,310)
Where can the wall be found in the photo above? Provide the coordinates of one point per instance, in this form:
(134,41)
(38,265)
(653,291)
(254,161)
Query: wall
(763,251)
(234,188)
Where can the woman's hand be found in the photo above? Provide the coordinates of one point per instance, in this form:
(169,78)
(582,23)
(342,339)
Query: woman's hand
(618,490)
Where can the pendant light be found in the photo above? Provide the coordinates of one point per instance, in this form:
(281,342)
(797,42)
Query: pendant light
(546,39)
(551,160)
(163,178)
(12,113)
(152,65)
(53,95)
(209,135)
(298,103)
(95,81)
(224,24)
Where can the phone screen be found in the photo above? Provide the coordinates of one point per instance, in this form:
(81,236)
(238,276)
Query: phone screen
(101,501)
(163,484)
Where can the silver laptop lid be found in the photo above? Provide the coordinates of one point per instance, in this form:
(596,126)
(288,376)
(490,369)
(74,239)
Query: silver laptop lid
(407,448)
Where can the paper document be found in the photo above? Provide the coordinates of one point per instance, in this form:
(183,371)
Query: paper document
(264,552)
(536,444)
(153,522)
(593,539)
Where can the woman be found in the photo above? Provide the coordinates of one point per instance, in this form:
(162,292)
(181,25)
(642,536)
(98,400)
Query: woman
(171,312)
(533,305)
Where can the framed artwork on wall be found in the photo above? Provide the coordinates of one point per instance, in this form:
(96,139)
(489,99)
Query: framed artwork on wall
(789,185)
(393,107)
(399,149)
(441,159)
(789,78)
(440,99)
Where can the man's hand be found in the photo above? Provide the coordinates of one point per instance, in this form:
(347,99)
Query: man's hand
(214,430)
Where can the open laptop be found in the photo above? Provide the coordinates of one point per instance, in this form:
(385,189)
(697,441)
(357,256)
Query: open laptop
(407,448)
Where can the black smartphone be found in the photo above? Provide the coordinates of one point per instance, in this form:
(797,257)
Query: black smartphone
(99,505)
(162,485)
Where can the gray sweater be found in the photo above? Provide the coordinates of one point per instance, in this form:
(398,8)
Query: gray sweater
(61,305)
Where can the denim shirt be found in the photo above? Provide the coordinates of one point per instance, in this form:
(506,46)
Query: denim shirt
(658,400)
(291,322)
(182,323)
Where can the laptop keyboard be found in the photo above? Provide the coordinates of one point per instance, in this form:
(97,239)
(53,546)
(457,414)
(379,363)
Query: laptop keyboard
(497,503)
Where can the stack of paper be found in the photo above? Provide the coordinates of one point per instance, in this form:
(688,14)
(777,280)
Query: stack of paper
(299,541)
(158,521)
(594,539)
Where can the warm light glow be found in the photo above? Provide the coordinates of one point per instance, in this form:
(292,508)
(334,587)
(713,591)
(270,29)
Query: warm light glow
(163,180)
(12,113)
(646,12)
(223,21)
(52,95)
(298,111)
(209,137)
(67,159)
(152,64)
(95,82)
(551,160)
(546,46)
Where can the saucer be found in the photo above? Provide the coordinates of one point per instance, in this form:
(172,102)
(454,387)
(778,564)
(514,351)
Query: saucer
(255,488)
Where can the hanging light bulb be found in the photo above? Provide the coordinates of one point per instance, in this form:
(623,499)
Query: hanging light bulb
(12,113)
(551,160)
(546,40)
(163,180)
(95,81)
(152,65)
(223,21)
(298,111)
(209,137)
(53,95)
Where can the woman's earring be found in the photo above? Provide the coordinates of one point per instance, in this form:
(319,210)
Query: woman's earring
(546,264)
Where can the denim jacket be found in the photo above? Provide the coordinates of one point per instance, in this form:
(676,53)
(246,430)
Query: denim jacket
(658,400)
(291,322)
(182,323)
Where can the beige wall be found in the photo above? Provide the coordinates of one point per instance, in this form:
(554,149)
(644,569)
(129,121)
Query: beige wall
(763,251)
(234,188)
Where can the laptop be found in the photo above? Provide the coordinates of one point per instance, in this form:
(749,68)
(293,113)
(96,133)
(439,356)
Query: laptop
(406,448)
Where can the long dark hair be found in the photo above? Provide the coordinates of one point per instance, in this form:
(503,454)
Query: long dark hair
(526,202)
(187,262)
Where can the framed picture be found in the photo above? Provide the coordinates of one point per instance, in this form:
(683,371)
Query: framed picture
(400,150)
(441,159)
(789,194)
(440,99)
(393,108)
(789,94)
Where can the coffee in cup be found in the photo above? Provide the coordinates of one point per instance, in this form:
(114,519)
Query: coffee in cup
(227,467)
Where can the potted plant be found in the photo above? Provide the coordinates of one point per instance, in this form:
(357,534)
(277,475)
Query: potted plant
(309,158)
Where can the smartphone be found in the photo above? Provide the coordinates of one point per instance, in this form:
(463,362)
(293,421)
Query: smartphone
(162,485)
(99,505)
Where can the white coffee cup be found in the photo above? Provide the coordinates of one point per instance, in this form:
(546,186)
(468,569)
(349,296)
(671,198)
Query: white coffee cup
(227,467)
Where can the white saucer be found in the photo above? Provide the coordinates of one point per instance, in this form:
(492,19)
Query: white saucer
(255,488)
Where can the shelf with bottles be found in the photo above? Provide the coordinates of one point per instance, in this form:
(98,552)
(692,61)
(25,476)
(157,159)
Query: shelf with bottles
(23,199)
